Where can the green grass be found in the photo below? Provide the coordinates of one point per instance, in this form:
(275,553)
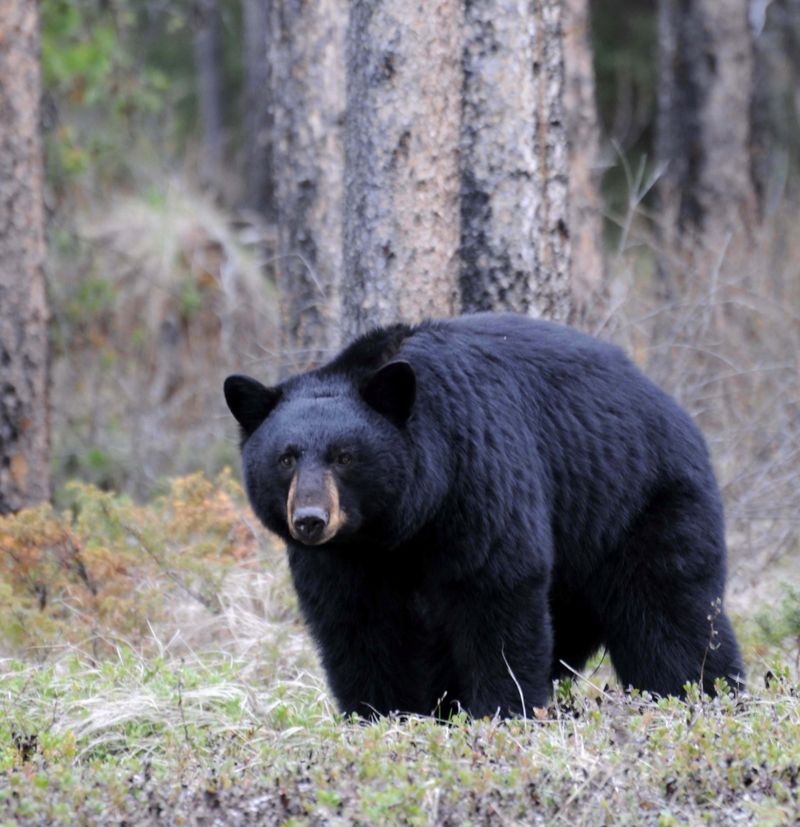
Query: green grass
(182,738)
(219,714)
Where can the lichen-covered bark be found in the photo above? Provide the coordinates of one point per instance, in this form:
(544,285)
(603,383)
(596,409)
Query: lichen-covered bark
(514,186)
(704,132)
(306,47)
(402,178)
(585,208)
(24,435)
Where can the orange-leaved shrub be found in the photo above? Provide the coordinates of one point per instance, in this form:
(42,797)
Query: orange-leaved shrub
(106,568)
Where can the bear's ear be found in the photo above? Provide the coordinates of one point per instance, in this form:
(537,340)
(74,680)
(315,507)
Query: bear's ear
(250,401)
(391,391)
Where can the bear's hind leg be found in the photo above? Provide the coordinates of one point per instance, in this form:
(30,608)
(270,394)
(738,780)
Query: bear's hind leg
(664,621)
(660,649)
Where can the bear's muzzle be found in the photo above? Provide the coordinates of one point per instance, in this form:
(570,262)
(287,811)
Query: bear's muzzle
(312,507)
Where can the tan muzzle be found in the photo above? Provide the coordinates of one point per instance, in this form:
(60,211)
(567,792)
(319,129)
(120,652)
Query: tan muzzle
(313,510)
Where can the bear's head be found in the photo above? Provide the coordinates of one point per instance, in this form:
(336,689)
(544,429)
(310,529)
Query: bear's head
(325,456)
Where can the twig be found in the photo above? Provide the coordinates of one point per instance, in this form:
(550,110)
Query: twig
(516,683)
(585,679)
(180,707)
(716,609)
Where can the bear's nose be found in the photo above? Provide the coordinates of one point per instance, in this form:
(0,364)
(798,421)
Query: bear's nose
(309,523)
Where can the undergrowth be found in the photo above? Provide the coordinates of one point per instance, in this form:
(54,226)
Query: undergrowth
(100,570)
(155,671)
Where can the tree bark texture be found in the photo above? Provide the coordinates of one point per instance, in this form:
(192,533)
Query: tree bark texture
(206,55)
(514,185)
(259,175)
(585,205)
(402,162)
(776,98)
(704,132)
(24,420)
(455,156)
(307,63)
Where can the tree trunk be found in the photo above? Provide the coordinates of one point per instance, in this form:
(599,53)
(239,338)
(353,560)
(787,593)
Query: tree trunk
(306,49)
(206,55)
(456,189)
(514,185)
(258,115)
(585,206)
(704,136)
(24,420)
(402,170)
(776,98)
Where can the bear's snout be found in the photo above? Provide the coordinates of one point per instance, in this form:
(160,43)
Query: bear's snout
(312,507)
(308,524)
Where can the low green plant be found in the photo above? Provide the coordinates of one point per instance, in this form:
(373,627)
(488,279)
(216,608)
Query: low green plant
(780,624)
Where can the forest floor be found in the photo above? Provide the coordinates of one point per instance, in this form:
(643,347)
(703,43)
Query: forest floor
(155,671)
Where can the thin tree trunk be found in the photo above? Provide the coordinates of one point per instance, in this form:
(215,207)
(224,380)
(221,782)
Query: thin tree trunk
(514,186)
(206,52)
(402,179)
(776,98)
(307,49)
(24,420)
(585,207)
(704,135)
(259,178)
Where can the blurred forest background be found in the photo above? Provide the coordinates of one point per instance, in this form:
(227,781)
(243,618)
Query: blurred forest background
(221,192)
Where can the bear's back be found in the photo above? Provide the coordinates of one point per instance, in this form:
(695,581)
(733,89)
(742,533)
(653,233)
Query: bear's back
(526,401)
(511,408)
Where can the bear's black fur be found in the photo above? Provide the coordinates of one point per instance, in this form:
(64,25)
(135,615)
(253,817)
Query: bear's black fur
(469,504)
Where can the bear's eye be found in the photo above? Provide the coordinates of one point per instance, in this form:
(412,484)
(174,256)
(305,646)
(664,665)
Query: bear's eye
(286,460)
(344,458)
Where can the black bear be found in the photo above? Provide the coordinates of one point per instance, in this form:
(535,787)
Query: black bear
(470,504)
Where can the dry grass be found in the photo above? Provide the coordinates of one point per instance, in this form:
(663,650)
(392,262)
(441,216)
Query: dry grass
(166,297)
(718,326)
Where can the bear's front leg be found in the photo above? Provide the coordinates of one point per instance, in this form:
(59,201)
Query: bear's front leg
(371,648)
(502,647)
